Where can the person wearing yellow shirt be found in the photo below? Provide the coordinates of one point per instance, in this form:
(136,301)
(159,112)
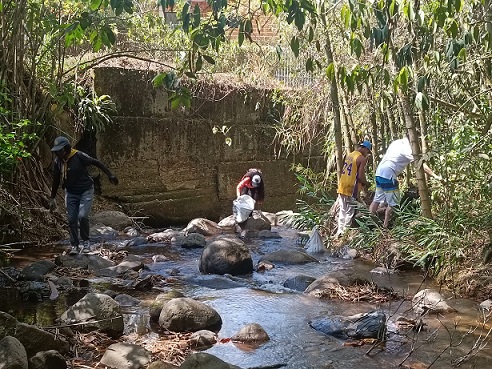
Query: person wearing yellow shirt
(352,179)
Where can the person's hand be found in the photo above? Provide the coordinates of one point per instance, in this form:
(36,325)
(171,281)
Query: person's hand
(438,178)
(52,205)
(113,180)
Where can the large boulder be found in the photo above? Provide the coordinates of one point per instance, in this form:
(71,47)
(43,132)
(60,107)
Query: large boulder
(160,300)
(114,219)
(228,224)
(187,315)
(32,338)
(99,311)
(12,354)
(194,241)
(364,325)
(35,340)
(203,226)
(299,282)
(288,257)
(429,301)
(326,284)
(257,221)
(126,356)
(226,256)
(37,270)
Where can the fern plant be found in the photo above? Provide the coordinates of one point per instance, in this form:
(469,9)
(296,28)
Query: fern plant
(95,114)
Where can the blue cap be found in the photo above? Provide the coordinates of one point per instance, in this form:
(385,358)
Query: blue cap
(366,144)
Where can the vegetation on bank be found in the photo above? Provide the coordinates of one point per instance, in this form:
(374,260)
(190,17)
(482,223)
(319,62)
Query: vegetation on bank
(377,69)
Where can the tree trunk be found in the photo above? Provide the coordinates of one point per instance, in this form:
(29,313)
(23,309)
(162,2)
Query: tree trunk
(347,122)
(423,132)
(337,126)
(414,142)
(374,128)
(391,123)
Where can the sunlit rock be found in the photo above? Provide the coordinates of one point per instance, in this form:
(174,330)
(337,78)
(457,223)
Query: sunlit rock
(126,356)
(257,221)
(226,256)
(99,311)
(203,226)
(364,325)
(251,333)
(187,315)
(161,299)
(429,301)
(203,339)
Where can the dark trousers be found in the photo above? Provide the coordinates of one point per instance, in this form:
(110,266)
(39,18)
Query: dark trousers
(78,209)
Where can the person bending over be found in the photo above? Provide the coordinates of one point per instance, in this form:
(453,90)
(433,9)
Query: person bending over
(252,184)
(393,163)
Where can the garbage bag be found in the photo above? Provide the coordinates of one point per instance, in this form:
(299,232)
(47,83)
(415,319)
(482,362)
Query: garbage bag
(242,208)
(315,243)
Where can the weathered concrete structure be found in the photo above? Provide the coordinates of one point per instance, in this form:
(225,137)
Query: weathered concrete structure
(171,165)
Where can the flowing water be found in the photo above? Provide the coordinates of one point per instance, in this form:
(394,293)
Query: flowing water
(446,341)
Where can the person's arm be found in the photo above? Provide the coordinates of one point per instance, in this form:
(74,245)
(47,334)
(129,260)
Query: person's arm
(56,178)
(89,160)
(361,171)
(430,172)
(241,185)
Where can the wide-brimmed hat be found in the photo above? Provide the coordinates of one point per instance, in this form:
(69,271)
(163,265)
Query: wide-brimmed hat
(60,143)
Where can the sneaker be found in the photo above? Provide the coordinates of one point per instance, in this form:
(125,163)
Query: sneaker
(86,247)
(74,250)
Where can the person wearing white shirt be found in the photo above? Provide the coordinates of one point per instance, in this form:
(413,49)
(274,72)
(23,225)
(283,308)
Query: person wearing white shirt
(393,163)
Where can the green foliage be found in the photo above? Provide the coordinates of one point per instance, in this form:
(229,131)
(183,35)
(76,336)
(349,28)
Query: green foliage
(179,95)
(94,112)
(14,144)
(15,136)
(315,209)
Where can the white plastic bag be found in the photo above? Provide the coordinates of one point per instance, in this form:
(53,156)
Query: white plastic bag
(315,243)
(242,207)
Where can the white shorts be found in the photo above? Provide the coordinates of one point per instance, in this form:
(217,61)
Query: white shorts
(392,198)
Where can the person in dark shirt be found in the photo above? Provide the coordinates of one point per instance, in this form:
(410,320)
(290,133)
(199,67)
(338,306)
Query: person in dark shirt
(70,169)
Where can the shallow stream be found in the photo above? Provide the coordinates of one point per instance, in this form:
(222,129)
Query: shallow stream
(446,341)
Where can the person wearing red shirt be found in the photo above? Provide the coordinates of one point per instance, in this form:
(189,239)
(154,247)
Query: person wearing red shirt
(252,184)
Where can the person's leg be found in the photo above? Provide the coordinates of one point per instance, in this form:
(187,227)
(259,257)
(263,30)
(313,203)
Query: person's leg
(72,204)
(387,216)
(83,213)
(349,215)
(342,211)
(393,199)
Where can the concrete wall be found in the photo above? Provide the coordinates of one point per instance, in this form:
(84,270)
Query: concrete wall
(172,167)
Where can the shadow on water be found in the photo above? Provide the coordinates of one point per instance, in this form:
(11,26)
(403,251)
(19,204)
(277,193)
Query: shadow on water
(285,314)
